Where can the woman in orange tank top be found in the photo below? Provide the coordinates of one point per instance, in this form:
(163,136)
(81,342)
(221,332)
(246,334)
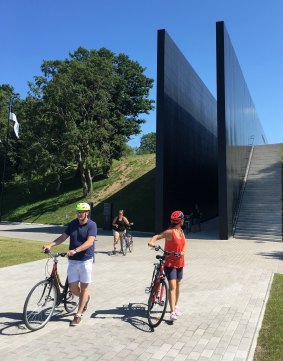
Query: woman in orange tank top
(174,242)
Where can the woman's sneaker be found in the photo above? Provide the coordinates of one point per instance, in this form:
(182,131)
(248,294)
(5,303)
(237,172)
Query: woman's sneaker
(173,316)
(177,311)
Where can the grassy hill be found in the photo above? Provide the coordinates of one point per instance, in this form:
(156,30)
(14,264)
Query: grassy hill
(130,186)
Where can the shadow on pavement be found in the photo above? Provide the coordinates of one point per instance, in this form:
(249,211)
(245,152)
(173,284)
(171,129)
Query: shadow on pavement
(38,229)
(130,313)
(58,229)
(274,254)
(15,326)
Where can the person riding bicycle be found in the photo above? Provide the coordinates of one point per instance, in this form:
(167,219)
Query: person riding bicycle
(119,225)
(174,242)
(82,232)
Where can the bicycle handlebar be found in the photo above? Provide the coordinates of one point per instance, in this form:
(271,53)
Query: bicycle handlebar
(159,248)
(55,255)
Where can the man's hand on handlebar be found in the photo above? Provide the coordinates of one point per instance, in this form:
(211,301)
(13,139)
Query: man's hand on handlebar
(46,249)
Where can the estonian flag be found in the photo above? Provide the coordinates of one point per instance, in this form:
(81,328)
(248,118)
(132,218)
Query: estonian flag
(13,118)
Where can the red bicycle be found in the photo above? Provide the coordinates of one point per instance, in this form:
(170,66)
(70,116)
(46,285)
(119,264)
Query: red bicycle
(46,295)
(158,290)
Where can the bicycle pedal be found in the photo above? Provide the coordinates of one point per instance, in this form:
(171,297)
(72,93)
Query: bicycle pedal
(147,290)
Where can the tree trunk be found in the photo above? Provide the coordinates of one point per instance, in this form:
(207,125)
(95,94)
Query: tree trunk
(89,181)
(82,174)
(58,186)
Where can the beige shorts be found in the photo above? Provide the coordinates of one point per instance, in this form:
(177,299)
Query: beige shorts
(116,233)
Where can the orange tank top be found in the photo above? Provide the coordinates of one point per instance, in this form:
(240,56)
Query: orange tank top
(176,245)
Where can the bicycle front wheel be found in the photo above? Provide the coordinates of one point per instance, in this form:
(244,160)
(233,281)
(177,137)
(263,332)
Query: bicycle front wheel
(39,305)
(130,243)
(124,245)
(157,303)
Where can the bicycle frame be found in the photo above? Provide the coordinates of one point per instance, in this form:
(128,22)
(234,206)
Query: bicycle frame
(57,282)
(157,277)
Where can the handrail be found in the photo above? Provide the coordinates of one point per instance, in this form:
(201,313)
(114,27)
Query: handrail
(242,191)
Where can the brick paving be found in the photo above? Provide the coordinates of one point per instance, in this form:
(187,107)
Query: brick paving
(224,291)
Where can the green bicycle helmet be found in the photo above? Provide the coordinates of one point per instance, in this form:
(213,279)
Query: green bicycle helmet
(82,207)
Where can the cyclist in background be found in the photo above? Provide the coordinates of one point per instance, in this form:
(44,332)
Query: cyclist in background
(82,232)
(119,227)
(174,242)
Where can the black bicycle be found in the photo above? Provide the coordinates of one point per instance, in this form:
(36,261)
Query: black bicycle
(127,242)
(46,295)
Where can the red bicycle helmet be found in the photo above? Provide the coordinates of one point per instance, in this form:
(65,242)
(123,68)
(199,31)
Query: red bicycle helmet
(177,217)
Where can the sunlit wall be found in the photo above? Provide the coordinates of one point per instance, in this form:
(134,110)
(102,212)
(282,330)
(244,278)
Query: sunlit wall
(238,128)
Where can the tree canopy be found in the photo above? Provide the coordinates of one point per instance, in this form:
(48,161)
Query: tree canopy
(147,144)
(81,111)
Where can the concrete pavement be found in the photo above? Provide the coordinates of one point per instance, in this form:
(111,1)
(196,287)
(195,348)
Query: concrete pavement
(223,294)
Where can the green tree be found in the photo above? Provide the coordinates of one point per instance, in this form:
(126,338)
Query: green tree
(9,149)
(147,144)
(82,110)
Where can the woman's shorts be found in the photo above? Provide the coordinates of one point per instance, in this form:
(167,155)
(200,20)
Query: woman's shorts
(117,234)
(80,271)
(173,273)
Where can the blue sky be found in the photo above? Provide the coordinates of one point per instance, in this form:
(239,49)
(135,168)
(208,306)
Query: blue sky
(37,30)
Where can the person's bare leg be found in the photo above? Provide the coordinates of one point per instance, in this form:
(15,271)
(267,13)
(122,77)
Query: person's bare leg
(172,294)
(83,297)
(177,291)
(116,240)
(75,288)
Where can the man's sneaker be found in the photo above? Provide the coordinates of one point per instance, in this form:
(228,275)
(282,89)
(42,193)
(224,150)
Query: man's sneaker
(86,304)
(177,311)
(173,316)
(76,321)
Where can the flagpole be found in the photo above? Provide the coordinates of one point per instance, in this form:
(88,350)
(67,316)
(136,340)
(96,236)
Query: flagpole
(4,161)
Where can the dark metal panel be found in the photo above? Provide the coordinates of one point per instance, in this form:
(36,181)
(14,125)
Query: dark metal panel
(238,128)
(186,137)
(160,142)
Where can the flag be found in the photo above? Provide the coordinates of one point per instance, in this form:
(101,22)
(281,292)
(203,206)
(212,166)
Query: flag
(13,118)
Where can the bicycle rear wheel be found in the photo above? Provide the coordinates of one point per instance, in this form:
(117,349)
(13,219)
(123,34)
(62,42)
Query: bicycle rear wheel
(124,245)
(130,242)
(39,305)
(70,300)
(157,303)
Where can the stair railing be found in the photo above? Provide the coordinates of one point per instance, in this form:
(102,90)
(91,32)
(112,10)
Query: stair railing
(242,190)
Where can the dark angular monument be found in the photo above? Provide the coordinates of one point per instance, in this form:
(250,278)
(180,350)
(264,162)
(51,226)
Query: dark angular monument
(203,146)
(186,155)
(238,129)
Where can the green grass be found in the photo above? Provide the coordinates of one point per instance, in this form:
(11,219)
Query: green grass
(15,251)
(137,199)
(36,203)
(270,340)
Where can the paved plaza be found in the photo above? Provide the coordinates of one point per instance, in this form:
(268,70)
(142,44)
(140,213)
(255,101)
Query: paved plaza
(225,287)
